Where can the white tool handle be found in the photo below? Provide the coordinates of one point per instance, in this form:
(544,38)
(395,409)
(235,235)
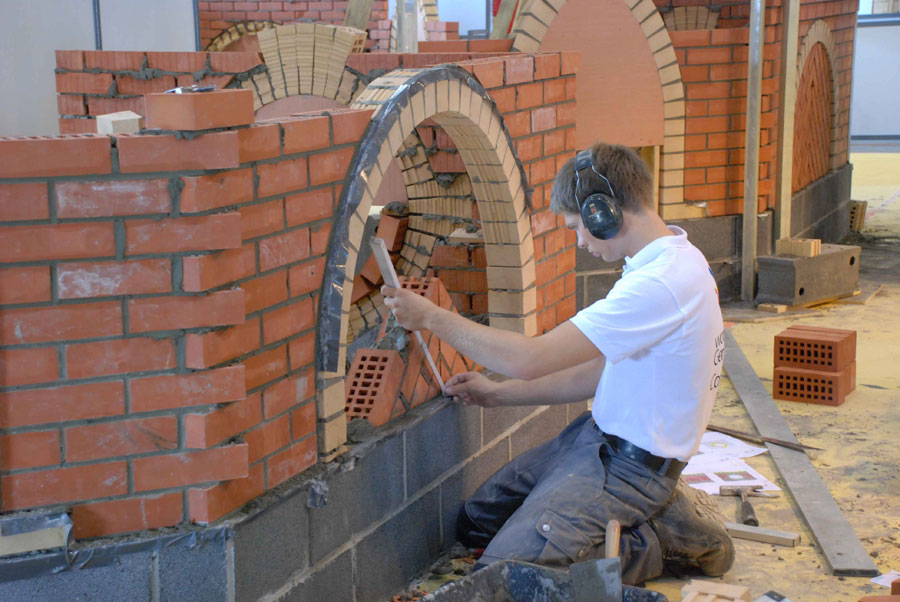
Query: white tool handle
(383,258)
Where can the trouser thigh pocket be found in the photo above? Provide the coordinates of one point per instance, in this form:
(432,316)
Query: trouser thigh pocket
(565,542)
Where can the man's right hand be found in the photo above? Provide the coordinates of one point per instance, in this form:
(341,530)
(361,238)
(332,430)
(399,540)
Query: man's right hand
(411,310)
(474,388)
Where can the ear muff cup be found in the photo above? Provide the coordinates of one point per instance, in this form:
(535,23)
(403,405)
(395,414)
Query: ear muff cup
(601,215)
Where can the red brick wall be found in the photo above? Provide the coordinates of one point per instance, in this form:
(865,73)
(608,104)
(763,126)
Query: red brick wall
(812,121)
(216,17)
(157,329)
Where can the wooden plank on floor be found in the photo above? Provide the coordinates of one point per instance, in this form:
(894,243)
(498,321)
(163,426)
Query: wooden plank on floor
(773,536)
(843,552)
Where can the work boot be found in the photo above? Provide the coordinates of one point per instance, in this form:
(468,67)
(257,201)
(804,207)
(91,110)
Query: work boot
(691,529)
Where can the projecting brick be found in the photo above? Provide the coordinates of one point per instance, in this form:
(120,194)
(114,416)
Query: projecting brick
(262,141)
(489,74)
(329,167)
(265,291)
(172,313)
(58,241)
(280,250)
(43,487)
(202,193)
(210,271)
(29,450)
(124,516)
(288,393)
(309,206)
(60,323)
(176,470)
(119,356)
(166,153)
(211,503)
(24,285)
(294,460)
(286,321)
(170,391)
(372,384)
(305,133)
(205,430)
(122,438)
(349,125)
(278,178)
(266,366)
(24,201)
(201,111)
(219,346)
(303,420)
(108,278)
(259,219)
(206,233)
(392,230)
(61,404)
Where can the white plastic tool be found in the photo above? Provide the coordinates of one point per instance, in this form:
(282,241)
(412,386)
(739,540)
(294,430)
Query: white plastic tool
(383,258)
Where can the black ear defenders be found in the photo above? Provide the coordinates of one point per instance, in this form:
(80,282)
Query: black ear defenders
(601,213)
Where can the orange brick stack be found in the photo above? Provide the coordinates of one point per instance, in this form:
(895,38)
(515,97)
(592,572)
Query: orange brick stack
(814,365)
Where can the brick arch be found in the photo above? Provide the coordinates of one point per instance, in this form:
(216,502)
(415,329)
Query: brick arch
(813,120)
(453,99)
(820,33)
(307,58)
(535,21)
(236,32)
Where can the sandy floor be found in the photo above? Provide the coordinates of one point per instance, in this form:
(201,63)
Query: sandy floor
(860,437)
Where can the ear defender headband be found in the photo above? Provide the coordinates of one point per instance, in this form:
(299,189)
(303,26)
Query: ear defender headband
(601,213)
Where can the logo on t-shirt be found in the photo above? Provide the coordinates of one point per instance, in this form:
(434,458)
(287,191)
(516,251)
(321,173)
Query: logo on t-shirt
(718,360)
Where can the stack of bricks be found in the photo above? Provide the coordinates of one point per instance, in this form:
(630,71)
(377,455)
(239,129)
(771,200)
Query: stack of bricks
(91,83)
(158,300)
(440,31)
(814,365)
(382,384)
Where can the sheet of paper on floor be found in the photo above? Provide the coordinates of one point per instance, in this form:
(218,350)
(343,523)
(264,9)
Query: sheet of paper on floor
(726,446)
(709,472)
(886,579)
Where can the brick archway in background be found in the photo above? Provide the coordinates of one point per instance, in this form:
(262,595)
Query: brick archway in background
(532,25)
(237,32)
(808,56)
(403,99)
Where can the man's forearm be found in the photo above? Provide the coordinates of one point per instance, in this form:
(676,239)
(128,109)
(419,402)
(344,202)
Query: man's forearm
(577,383)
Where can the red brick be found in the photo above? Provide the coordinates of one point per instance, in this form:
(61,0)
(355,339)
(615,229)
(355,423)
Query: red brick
(205,350)
(59,156)
(61,404)
(193,112)
(708,90)
(58,241)
(166,153)
(77,126)
(391,230)
(286,321)
(372,384)
(318,238)
(268,438)
(569,62)
(119,356)
(70,59)
(303,420)
(329,167)
(124,516)
(505,98)
(266,366)
(446,256)
(172,313)
(59,323)
(306,133)
(29,450)
(233,62)
(278,178)
(260,219)
(122,438)
(814,386)
(349,126)
(309,206)
(204,272)
(302,351)
(287,393)
(283,249)
(546,66)
(489,73)
(262,141)
(202,193)
(170,391)
(696,37)
(265,291)
(699,125)
(208,504)
(126,84)
(291,461)
(205,430)
(108,278)
(24,285)
(24,201)
(179,62)
(306,277)
(113,61)
(708,56)
(518,69)
(177,470)
(543,119)
(102,106)
(84,83)
(44,487)
(565,114)
(204,233)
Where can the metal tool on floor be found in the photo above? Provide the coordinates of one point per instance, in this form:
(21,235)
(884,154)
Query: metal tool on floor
(600,580)
(748,515)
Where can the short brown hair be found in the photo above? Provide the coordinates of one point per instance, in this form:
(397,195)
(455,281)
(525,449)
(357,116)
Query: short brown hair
(628,175)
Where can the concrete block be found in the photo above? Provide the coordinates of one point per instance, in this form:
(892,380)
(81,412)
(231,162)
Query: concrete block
(716,237)
(805,280)
(539,429)
(389,557)
(822,209)
(380,470)
(599,285)
(331,582)
(270,546)
(196,565)
(436,443)
(497,420)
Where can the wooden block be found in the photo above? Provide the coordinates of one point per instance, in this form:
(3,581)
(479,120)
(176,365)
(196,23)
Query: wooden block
(761,534)
(774,308)
(123,122)
(716,589)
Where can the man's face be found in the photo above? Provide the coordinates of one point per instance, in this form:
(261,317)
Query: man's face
(606,249)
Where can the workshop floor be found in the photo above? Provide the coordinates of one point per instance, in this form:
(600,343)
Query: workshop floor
(860,464)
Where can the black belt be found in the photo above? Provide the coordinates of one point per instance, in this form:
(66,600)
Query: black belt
(668,467)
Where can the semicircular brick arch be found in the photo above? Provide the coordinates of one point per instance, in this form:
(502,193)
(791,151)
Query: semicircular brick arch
(532,25)
(307,59)
(236,32)
(820,33)
(455,100)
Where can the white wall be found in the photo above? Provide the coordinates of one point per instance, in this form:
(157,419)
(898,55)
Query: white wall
(470,14)
(33,29)
(874,106)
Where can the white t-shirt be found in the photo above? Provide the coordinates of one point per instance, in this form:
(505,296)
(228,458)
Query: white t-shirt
(660,329)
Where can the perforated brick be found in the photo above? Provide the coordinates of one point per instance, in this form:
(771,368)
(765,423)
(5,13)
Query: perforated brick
(372,385)
(814,348)
(814,386)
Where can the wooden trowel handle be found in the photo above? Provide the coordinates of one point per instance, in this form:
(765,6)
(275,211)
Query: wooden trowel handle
(613,535)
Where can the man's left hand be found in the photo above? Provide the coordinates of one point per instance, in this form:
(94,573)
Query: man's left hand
(411,310)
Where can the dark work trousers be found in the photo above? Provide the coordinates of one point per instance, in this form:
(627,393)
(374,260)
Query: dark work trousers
(551,504)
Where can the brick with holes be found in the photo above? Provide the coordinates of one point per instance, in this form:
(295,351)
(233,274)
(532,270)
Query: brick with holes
(815,348)
(372,384)
(814,386)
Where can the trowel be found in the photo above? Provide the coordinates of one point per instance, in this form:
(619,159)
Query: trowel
(600,580)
